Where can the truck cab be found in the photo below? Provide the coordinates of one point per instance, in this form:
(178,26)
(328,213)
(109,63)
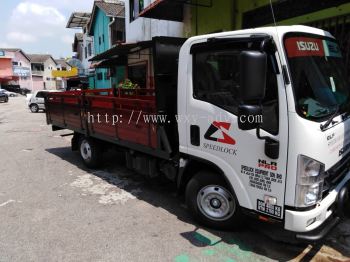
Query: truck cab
(268,110)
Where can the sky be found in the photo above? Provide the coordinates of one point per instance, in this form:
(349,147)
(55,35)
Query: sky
(39,26)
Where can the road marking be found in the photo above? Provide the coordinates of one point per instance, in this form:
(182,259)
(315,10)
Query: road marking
(7,202)
(214,248)
(110,189)
(27,150)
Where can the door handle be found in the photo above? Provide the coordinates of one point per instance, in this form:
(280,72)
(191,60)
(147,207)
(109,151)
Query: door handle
(195,135)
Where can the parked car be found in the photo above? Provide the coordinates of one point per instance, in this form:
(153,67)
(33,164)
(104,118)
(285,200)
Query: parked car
(36,101)
(10,94)
(3,96)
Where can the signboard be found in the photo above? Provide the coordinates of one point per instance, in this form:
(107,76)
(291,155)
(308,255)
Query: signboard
(21,71)
(307,46)
(304,46)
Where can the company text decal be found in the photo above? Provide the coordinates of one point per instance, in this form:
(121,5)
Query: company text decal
(304,46)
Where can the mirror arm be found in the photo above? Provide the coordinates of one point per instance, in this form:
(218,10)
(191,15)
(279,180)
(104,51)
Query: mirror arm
(261,137)
(271,145)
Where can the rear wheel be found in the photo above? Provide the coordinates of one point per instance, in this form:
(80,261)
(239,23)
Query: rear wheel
(34,108)
(211,202)
(90,152)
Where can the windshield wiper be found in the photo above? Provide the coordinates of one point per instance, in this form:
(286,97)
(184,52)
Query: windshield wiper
(330,119)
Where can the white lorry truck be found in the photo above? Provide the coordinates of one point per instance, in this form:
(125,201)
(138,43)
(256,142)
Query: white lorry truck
(262,126)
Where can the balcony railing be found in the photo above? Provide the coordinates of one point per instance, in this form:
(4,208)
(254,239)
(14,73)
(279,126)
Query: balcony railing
(37,73)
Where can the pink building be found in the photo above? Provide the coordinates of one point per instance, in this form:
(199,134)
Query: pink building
(6,71)
(18,68)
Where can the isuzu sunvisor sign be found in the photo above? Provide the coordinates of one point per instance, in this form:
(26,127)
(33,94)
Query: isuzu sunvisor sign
(307,46)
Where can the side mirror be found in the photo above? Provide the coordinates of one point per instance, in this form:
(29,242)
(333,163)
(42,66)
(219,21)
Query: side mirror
(252,89)
(253,76)
(252,92)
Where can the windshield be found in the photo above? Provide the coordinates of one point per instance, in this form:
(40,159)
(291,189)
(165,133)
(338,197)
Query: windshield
(318,74)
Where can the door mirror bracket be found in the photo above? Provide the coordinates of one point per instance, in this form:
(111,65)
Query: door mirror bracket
(272,146)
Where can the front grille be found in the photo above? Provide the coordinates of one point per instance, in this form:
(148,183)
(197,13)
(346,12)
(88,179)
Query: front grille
(335,174)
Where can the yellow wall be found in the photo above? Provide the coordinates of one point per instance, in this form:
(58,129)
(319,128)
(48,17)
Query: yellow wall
(226,15)
(64,73)
(219,17)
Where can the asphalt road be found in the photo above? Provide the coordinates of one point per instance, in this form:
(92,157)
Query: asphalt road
(52,208)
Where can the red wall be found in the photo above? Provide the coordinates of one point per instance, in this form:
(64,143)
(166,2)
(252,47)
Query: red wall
(6,67)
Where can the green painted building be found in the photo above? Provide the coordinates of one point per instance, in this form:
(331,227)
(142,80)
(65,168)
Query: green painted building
(107,26)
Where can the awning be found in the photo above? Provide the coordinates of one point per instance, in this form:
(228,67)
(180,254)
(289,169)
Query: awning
(119,61)
(95,64)
(78,20)
(171,10)
(8,78)
(119,50)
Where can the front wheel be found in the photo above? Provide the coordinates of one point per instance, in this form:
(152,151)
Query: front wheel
(6,99)
(34,108)
(211,202)
(90,152)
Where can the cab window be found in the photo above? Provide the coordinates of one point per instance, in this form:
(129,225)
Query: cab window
(216,80)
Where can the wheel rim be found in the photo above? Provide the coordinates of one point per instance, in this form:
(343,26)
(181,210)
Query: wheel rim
(85,150)
(216,203)
(34,108)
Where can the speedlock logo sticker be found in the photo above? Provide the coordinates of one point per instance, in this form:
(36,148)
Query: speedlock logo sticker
(217,132)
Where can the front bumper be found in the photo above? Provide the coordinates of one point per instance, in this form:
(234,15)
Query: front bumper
(306,221)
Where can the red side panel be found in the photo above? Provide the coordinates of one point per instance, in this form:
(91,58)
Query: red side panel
(105,113)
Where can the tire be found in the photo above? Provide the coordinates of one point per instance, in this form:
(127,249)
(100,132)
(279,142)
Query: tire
(34,108)
(90,152)
(212,203)
(6,99)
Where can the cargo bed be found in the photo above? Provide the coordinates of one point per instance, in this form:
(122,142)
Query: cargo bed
(112,115)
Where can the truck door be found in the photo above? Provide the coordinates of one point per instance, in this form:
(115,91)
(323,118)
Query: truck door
(213,134)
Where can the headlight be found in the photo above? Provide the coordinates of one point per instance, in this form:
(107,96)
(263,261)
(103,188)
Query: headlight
(309,182)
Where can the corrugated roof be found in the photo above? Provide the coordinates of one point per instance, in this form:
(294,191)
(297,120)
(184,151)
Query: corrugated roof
(62,62)
(115,8)
(39,58)
(10,49)
(15,50)
(112,8)
(78,20)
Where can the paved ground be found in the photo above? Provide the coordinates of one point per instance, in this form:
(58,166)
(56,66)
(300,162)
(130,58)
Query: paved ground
(54,209)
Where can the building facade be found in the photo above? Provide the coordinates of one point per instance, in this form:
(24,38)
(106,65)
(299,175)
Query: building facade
(107,28)
(140,28)
(83,45)
(64,68)
(17,68)
(42,67)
